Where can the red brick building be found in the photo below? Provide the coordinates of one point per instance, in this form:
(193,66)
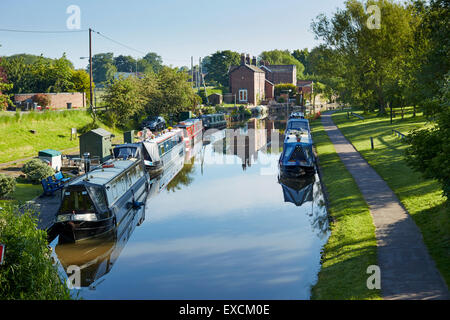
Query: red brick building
(247,81)
(252,84)
(280,73)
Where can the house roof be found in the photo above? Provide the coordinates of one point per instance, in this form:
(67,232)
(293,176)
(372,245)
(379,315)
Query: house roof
(249,66)
(281,68)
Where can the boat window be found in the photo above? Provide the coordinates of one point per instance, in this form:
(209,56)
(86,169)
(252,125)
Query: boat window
(77,201)
(298,154)
(297,125)
(125,152)
(98,197)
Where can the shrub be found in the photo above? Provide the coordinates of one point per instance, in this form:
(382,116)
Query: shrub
(27,272)
(41,99)
(7,185)
(36,170)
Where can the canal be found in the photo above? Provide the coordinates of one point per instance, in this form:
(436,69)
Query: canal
(224,227)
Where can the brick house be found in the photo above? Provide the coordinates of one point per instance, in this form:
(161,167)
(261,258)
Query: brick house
(247,81)
(252,84)
(280,73)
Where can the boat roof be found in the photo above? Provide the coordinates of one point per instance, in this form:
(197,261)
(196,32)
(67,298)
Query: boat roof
(164,136)
(101,176)
(292,135)
(187,122)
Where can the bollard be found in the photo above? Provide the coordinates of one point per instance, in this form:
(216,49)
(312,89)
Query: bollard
(371,142)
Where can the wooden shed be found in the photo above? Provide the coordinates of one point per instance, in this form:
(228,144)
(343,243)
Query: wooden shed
(98,143)
(215,99)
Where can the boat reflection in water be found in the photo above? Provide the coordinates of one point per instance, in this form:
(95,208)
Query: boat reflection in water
(95,257)
(301,191)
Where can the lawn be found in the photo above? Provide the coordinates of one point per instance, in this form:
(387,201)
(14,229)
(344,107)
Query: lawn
(352,246)
(51,131)
(24,192)
(421,197)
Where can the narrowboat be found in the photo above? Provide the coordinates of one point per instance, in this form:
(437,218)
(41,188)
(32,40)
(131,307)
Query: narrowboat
(192,131)
(97,201)
(297,157)
(157,152)
(96,256)
(216,120)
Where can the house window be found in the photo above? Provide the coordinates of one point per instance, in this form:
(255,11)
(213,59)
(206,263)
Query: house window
(243,95)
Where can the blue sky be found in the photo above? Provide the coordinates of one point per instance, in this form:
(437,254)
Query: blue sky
(175,29)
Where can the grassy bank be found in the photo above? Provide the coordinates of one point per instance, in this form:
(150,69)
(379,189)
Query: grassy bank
(351,247)
(51,131)
(421,197)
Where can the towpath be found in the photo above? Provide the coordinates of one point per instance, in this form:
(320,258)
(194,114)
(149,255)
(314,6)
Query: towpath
(407,270)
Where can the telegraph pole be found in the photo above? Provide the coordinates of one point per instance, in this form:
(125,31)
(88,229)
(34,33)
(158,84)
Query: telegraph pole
(90,73)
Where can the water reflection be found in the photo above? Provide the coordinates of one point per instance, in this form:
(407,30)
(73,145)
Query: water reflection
(215,231)
(95,257)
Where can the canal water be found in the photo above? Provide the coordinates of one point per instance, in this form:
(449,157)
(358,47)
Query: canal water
(225,227)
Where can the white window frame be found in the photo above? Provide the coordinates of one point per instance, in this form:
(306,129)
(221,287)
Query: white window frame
(244,93)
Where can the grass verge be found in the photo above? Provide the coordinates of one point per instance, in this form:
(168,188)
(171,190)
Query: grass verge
(51,131)
(352,246)
(421,197)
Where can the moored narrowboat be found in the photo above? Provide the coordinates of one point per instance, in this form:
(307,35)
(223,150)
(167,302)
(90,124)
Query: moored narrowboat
(297,157)
(192,131)
(157,152)
(216,120)
(96,202)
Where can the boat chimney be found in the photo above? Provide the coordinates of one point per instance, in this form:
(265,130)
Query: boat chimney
(87,162)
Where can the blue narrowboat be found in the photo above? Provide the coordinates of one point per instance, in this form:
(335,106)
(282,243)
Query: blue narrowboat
(297,157)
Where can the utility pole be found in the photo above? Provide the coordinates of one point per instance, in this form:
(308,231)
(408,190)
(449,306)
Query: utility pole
(90,73)
(192,71)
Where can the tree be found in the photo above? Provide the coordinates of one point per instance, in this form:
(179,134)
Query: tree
(125,63)
(429,149)
(372,58)
(283,57)
(81,82)
(124,100)
(302,56)
(151,62)
(173,95)
(103,68)
(218,65)
(5,99)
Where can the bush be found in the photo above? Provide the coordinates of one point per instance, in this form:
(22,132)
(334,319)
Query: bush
(41,99)
(27,272)
(7,185)
(36,170)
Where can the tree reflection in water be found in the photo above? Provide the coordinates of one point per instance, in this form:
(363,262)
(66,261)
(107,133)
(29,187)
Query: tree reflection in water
(183,178)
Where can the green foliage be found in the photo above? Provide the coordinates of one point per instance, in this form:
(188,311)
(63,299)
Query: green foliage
(7,185)
(28,273)
(103,67)
(283,88)
(429,150)
(218,65)
(36,170)
(303,57)
(38,74)
(123,98)
(283,57)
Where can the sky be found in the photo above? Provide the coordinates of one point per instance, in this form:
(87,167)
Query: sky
(174,29)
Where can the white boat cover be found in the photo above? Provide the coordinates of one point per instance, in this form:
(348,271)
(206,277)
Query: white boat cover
(152,149)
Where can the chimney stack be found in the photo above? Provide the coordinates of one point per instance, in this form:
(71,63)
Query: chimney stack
(254,61)
(242,58)
(247,59)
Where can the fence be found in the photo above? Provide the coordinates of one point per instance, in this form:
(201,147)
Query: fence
(399,134)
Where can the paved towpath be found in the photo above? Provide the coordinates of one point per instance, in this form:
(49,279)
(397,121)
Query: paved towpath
(407,270)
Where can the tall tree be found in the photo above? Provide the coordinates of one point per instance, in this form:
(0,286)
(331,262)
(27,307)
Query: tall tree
(283,57)
(302,56)
(151,62)
(103,67)
(218,65)
(125,63)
